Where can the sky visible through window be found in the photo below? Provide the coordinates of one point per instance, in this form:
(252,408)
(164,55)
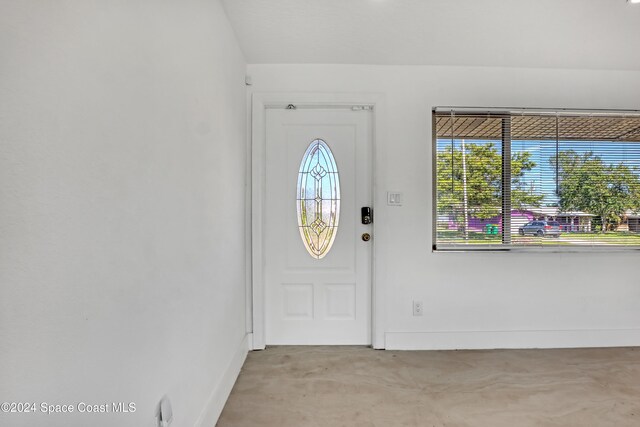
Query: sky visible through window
(541,178)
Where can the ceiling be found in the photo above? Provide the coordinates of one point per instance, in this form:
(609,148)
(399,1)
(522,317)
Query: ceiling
(589,34)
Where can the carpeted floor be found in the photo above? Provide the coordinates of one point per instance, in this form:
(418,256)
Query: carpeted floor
(358,386)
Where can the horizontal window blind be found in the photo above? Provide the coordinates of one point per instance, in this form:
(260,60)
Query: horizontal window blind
(527,178)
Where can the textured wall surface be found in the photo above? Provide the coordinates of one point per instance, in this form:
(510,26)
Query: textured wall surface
(476,300)
(122,169)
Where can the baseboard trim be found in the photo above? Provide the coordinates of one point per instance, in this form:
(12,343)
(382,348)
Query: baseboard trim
(250,340)
(471,340)
(220,393)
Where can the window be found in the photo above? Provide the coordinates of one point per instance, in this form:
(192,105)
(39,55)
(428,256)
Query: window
(318,200)
(530,178)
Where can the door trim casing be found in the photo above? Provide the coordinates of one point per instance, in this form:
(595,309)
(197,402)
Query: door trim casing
(260,103)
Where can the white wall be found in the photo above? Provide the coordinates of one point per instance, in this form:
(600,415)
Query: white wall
(477,300)
(122,242)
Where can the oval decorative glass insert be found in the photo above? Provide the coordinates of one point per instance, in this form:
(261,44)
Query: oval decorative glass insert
(318,199)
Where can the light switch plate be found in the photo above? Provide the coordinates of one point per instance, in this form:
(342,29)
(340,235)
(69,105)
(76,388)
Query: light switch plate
(394,198)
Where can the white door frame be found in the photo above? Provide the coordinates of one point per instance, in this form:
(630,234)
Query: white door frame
(260,103)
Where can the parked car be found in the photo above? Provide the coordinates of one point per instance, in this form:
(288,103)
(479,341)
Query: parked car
(540,229)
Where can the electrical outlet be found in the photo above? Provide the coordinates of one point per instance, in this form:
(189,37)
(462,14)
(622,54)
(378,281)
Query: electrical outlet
(418,308)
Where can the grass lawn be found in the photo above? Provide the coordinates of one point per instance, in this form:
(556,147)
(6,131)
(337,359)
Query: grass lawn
(578,239)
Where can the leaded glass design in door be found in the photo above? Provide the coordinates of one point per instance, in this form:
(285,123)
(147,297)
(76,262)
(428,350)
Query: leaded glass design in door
(318,199)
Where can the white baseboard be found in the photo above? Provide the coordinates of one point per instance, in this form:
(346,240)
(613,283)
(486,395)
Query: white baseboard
(468,340)
(220,393)
(250,340)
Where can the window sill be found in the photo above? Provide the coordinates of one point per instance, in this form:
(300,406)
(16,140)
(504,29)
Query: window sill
(536,249)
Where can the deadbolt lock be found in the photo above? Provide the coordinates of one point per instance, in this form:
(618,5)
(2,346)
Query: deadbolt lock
(366,216)
(366,237)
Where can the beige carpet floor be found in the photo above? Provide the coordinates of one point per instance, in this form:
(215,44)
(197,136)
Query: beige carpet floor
(358,386)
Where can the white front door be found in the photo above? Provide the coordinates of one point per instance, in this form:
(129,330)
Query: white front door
(317,265)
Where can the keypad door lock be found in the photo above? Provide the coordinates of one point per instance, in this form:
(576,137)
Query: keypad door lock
(366,215)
